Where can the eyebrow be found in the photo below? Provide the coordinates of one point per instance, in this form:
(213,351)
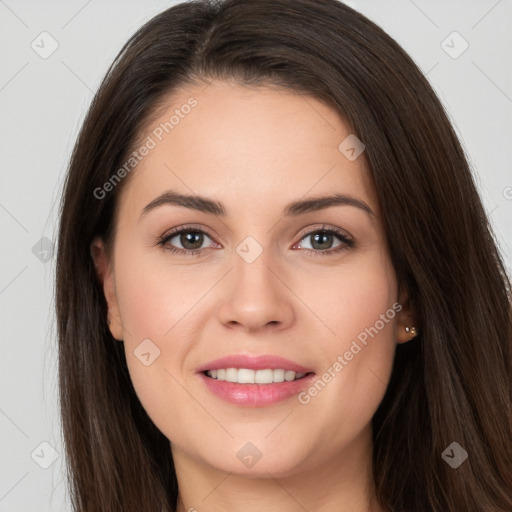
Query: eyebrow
(293,209)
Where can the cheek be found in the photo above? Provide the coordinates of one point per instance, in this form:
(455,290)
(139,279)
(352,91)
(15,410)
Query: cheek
(365,329)
(154,298)
(349,300)
(346,396)
(152,307)
(163,316)
(359,358)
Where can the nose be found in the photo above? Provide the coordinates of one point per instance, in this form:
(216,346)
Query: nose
(254,296)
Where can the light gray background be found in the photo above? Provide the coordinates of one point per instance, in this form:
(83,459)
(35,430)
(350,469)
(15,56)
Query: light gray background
(43,102)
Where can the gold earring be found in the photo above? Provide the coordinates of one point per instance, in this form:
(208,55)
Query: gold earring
(411,331)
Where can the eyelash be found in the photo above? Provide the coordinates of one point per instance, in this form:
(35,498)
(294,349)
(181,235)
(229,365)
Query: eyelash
(347,242)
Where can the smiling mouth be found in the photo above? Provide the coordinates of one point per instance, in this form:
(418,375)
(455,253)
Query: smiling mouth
(248,376)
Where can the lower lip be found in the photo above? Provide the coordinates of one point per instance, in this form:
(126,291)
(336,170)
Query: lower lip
(256,395)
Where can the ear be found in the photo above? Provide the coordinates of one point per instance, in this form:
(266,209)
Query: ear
(105,272)
(405,318)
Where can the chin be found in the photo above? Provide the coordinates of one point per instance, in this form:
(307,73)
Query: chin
(259,458)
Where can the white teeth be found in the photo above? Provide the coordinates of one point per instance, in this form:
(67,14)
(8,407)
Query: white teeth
(289,375)
(264,377)
(247,376)
(231,374)
(278,375)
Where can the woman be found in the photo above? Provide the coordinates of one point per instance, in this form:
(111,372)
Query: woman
(276,283)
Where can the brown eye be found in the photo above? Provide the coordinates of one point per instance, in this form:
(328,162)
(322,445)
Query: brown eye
(322,240)
(191,241)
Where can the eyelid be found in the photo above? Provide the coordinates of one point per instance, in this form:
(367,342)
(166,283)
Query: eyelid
(185,227)
(323,227)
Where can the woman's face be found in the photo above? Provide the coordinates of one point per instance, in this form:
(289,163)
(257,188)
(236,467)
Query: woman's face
(262,283)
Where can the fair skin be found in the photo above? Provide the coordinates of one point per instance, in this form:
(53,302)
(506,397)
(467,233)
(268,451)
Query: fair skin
(255,150)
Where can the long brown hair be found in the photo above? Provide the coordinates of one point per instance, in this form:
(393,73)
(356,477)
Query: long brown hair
(451,384)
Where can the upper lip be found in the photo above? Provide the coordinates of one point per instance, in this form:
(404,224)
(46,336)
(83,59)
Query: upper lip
(260,362)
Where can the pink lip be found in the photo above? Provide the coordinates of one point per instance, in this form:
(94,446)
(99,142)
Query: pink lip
(262,362)
(255,395)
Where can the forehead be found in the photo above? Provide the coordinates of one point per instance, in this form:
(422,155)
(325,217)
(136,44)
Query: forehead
(261,145)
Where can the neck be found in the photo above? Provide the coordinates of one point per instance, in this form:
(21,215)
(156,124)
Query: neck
(343,482)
